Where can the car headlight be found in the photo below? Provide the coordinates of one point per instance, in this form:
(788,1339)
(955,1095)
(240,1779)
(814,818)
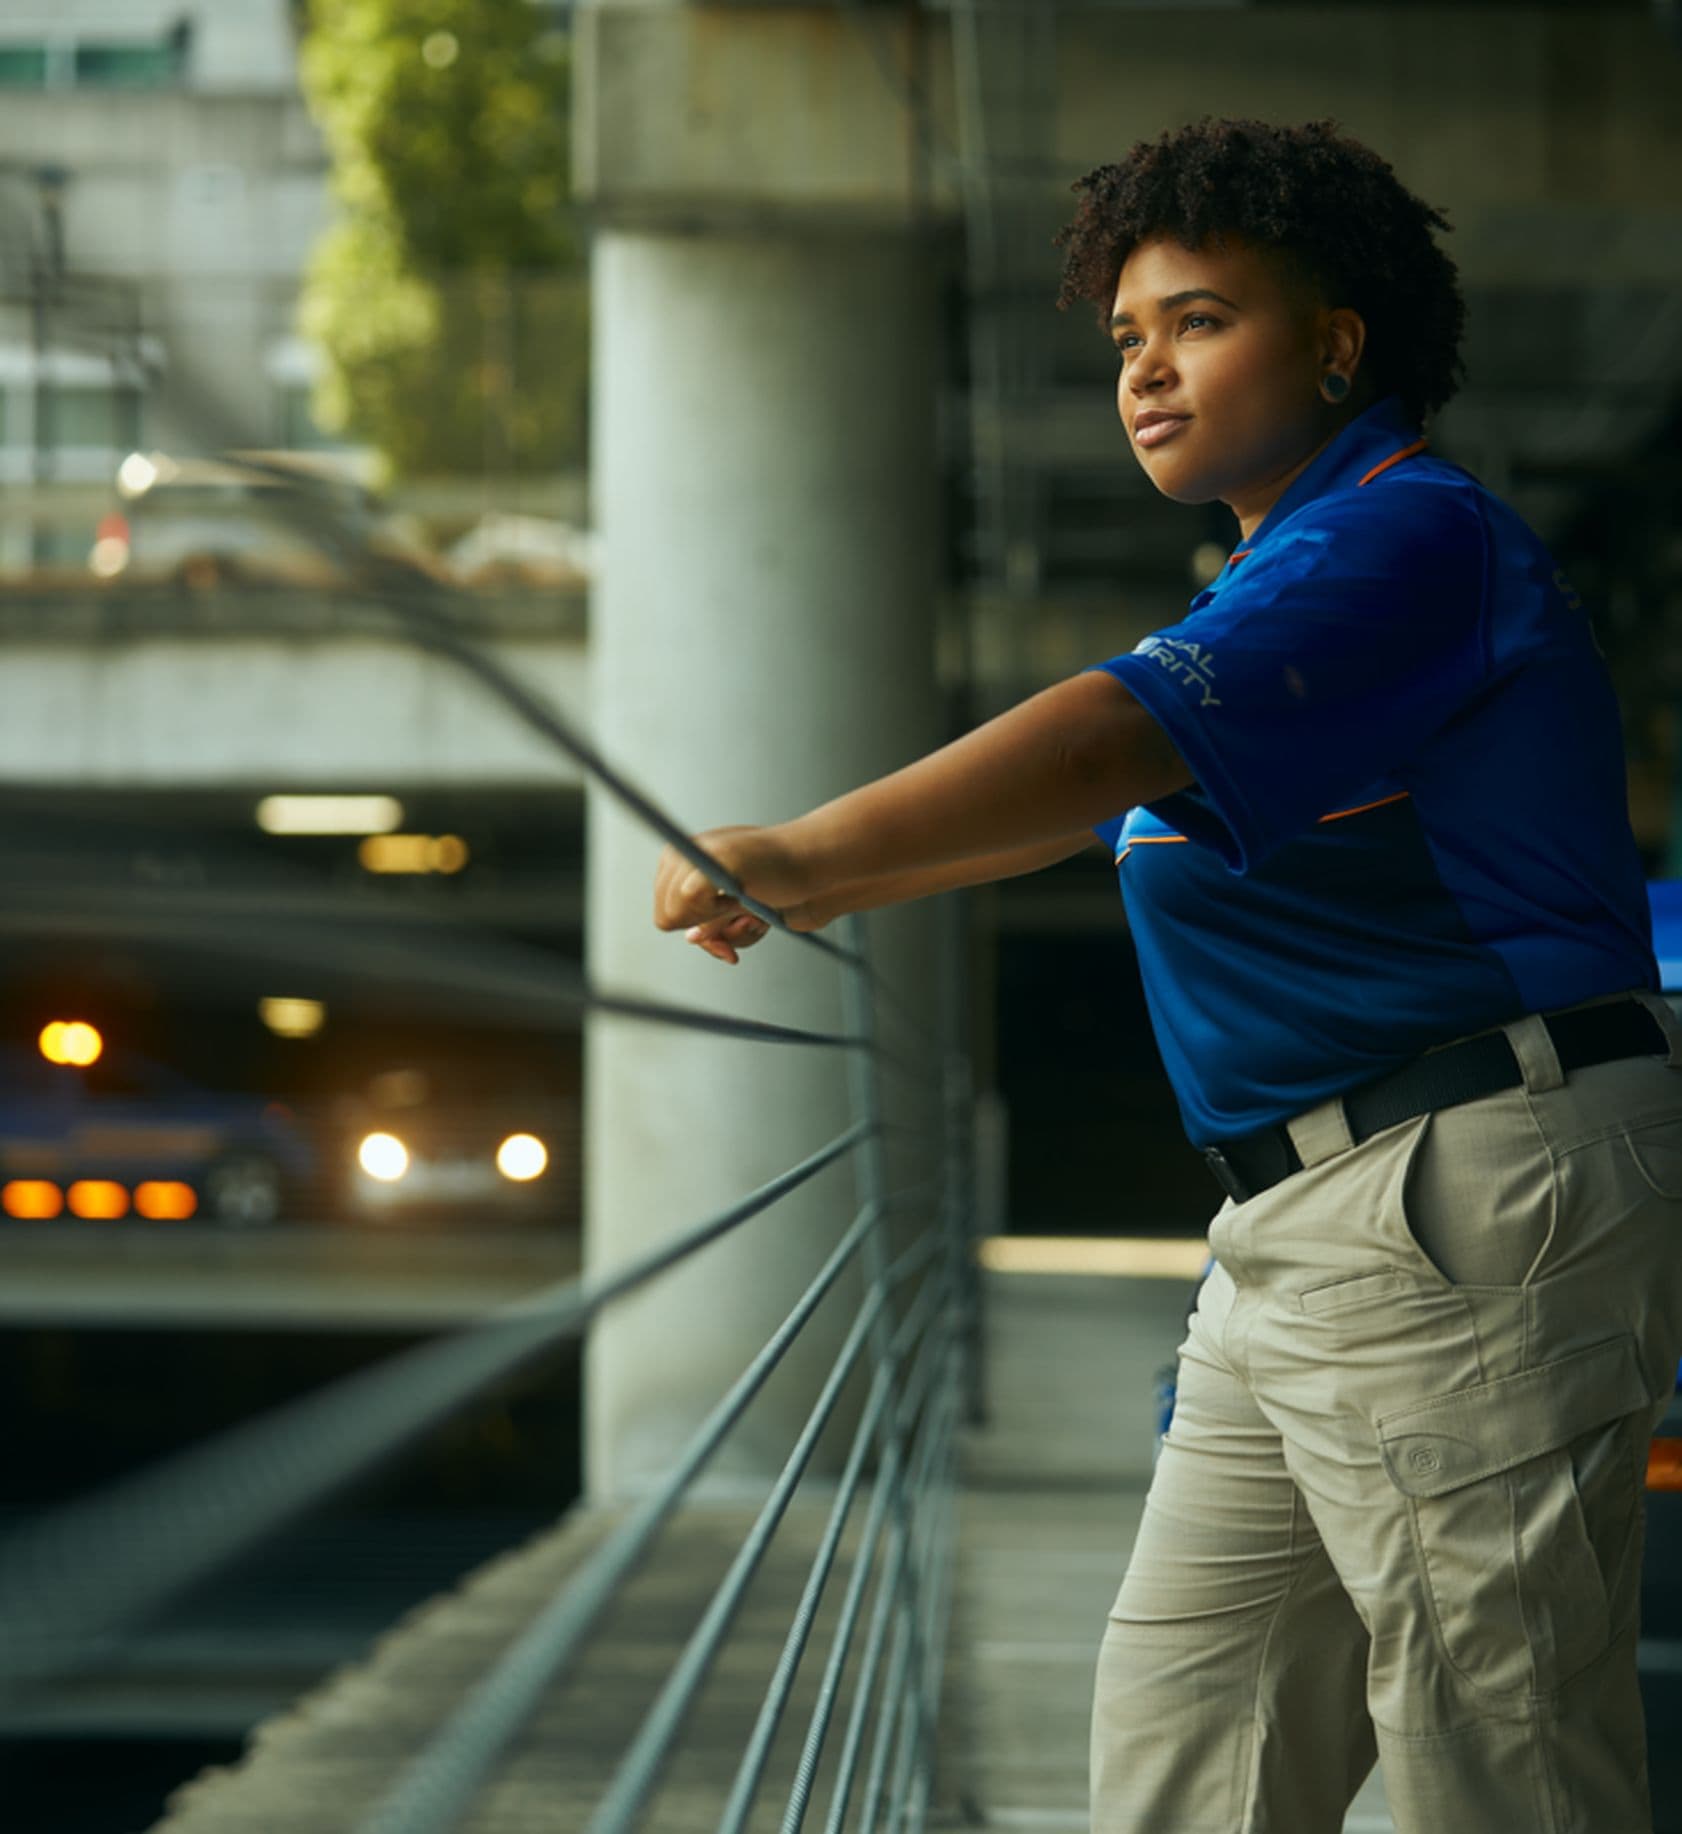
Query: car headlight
(383,1156)
(522,1157)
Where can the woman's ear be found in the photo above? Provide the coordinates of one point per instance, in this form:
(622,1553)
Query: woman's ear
(1343,339)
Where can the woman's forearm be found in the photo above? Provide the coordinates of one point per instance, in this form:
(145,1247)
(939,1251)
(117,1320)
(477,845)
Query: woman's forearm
(926,882)
(1077,754)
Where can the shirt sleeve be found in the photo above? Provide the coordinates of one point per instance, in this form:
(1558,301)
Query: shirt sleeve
(1323,663)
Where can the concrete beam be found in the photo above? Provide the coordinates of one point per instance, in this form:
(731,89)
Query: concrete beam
(749,115)
(1552,137)
(176,712)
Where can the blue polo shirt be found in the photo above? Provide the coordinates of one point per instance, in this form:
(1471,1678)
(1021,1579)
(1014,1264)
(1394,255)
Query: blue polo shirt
(1409,817)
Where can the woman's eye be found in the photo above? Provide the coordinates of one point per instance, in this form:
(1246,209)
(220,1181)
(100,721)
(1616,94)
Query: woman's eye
(1197,318)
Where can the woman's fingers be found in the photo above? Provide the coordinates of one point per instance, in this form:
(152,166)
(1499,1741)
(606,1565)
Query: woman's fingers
(683,896)
(723,936)
(686,899)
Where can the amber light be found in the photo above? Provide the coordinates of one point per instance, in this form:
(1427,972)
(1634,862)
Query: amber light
(164,1201)
(34,1198)
(1664,1464)
(71,1041)
(98,1197)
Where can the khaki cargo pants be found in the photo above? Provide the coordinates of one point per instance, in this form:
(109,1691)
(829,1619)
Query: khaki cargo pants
(1398,1513)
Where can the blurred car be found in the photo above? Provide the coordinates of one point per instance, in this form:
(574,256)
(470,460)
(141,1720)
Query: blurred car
(502,549)
(127,1137)
(209,522)
(453,1142)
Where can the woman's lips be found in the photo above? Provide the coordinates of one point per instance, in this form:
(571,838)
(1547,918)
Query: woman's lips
(1160,430)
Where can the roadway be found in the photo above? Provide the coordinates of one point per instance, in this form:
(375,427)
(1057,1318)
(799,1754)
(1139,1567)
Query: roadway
(324,1278)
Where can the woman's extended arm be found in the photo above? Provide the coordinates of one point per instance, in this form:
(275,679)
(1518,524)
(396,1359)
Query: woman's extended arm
(735,929)
(954,875)
(1077,754)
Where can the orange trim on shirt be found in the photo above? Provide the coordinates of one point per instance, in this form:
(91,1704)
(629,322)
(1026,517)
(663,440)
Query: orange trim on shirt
(1148,840)
(1383,802)
(1395,458)
(1161,840)
(1383,465)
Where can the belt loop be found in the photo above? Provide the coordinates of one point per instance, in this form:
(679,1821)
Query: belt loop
(1667,1023)
(1533,1046)
(1320,1133)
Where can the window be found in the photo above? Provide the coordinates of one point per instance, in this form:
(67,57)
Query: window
(68,62)
(154,66)
(23,66)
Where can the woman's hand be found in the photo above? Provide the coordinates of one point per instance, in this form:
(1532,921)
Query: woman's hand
(761,862)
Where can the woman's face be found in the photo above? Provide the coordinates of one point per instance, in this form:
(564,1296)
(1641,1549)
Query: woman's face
(1222,355)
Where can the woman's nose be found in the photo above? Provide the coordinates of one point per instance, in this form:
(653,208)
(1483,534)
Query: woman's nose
(1148,373)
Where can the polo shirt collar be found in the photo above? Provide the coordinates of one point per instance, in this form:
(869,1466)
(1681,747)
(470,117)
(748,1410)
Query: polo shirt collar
(1369,439)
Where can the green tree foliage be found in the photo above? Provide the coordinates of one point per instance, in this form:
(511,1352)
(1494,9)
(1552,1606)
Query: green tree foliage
(449,295)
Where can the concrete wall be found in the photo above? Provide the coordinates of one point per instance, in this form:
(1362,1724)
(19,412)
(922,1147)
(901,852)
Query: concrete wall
(193,711)
(197,206)
(1521,121)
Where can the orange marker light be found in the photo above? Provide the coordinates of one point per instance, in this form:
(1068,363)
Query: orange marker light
(71,1041)
(165,1201)
(1664,1464)
(98,1197)
(37,1199)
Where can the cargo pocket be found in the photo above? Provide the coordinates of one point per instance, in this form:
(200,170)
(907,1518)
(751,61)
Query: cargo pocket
(1524,1504)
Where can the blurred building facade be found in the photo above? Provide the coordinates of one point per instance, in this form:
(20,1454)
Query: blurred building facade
(161,185)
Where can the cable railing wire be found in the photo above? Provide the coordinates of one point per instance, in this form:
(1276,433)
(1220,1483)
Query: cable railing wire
(900,1702)
(639,1769)
(883,1612)
(889,1475)
(915,1655)
(442,1781)
(782,1682)
(421,606)
(80,1572)
(548,990)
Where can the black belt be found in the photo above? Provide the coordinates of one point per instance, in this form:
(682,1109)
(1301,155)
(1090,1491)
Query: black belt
(1461,1072)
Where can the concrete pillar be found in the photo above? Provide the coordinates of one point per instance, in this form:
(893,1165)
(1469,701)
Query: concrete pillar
(764,474)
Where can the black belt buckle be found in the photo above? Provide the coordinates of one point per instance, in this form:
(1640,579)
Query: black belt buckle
(1226,1175)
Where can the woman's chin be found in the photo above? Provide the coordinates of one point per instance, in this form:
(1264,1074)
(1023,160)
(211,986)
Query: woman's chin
(1180,483)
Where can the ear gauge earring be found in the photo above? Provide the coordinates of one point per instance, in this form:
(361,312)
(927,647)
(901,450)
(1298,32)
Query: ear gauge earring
(1334,387)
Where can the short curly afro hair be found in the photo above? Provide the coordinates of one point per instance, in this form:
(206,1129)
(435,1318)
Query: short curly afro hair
(1330,205)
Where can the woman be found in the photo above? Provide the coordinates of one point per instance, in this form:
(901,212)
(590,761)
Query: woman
(1368,803)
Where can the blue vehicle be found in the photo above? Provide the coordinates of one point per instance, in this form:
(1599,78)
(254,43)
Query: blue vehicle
(123,1135)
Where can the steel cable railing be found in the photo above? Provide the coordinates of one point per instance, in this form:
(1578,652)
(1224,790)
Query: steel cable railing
(445,1778)
(90,1568)
(74,1580)
(82,1576)
(639,1769)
